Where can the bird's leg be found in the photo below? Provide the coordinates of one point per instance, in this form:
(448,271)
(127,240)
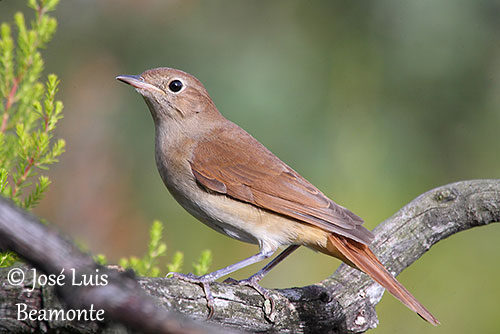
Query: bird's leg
(205,280)
(253,281)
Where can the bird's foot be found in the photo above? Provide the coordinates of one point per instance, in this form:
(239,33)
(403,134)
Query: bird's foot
(204,282)
(253,282)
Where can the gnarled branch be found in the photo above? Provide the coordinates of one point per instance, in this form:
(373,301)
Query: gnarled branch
(345,302)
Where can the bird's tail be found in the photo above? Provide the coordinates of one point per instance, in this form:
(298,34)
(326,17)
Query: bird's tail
(363,258)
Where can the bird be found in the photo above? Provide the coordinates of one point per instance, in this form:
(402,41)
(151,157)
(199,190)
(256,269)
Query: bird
(229,181)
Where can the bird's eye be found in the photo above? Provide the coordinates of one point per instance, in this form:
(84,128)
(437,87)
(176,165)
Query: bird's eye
(175,86)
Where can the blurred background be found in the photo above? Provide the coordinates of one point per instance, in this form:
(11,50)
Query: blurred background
(374,102)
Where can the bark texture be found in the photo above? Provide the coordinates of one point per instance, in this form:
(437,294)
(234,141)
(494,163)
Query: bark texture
(342,303)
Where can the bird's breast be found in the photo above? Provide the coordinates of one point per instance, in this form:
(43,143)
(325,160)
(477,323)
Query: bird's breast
(234,218)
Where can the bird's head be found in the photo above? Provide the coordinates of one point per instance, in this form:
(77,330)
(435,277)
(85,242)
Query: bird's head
(171,94)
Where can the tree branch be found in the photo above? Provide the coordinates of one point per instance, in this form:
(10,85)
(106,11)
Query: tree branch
(84,285)
(345,302)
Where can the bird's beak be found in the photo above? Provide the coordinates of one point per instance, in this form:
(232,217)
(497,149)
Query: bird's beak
(138,82)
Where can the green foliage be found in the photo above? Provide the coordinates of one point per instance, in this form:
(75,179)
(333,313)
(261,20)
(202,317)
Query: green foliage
(100,259)
(201,267)
(29,111)
(176,264)
(148,265)
(7,259)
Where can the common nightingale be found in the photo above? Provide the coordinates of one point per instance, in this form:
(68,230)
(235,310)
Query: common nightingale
(229,181)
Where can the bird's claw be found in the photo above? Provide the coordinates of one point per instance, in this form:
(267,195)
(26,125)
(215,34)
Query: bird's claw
(202,281)
(253,282)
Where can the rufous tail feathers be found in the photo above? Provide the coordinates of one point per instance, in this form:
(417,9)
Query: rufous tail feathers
(364,259)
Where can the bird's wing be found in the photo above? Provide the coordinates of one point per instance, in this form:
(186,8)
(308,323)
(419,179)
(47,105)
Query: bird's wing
(234,163)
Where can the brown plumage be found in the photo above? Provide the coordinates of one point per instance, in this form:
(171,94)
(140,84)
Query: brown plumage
(235,164)
(362,257)
(232,162)
(231,182)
